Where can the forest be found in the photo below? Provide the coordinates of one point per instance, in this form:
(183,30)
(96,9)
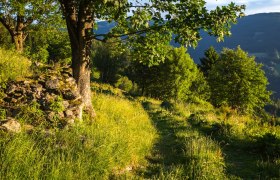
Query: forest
(130,102)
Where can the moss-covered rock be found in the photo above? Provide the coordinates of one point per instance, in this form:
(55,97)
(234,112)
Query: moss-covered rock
(53,90)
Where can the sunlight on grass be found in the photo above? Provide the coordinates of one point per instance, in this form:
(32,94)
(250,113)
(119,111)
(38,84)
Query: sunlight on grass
(116,142)
(13,65)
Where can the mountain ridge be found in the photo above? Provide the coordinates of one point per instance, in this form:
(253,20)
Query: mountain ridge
(257,34)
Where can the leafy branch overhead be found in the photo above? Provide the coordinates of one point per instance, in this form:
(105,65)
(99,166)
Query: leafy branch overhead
(182,18)
(157,22)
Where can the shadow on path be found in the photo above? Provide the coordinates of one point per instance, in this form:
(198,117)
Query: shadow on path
(168,151)
(241,158)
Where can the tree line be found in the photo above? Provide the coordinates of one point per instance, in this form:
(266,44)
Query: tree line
(145,31)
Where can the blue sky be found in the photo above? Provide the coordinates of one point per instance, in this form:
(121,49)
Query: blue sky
(252,6)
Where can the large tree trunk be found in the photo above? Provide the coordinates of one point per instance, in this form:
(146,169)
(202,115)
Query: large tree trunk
(81,73)
(80,29)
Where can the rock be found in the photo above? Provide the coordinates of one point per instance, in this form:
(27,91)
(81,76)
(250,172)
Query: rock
(51,115)
(60,115)
(14,100)
(52,84)
(70,80)
(11,88)
(68,113)
(44,88)
(28,128)
(37,87)
(70,94)
(11,125)
(17,95)
(65,104)
(70,121)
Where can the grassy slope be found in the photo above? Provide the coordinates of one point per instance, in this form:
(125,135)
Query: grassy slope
(116,142)
(199,142)
(139,139)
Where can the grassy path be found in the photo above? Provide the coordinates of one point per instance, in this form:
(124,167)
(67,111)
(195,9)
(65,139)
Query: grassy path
(181,152)
(168,153)
(184,151)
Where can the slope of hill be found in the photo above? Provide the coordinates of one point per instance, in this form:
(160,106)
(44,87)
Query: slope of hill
(256,34)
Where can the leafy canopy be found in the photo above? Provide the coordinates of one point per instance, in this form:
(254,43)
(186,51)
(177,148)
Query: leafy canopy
(154,24)
(238,81)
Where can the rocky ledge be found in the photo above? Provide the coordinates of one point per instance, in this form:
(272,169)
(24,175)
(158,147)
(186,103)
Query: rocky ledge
(53,92)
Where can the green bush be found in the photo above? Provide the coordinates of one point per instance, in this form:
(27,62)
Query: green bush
(269,145)
(13,65)
(124,83)
(236,80)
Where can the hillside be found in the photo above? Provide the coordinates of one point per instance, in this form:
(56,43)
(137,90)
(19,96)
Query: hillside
(256,34)
(132,137)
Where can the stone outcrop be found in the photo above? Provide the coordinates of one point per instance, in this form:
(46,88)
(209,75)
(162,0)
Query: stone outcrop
(10,125)
(53,90)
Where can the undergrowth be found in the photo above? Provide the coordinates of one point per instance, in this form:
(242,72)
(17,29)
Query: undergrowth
(116,142)
(13,65)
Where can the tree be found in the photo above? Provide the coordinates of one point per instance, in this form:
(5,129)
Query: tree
(238,81)
(4,40)
(48,43)
(17,15)
(150,20)
(108,61)
(174,78)
(207,62)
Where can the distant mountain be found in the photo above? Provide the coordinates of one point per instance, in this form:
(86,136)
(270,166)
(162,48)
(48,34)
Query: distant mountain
(257,34)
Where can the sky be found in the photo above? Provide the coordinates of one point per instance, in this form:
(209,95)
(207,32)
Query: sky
(252,6)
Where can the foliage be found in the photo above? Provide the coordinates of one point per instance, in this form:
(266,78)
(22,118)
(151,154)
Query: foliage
(5,40)
(174,78)
(17,17)
(48,44)
(151,25)
(32,114)
(124,83)
(13,65)
(109,61)
(207,62)
(238,81)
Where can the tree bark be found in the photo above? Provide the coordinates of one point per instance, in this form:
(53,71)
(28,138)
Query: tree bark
(18,40)
(17,32)
(80,27)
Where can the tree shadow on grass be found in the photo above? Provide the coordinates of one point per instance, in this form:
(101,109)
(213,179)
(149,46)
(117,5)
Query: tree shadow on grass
(242,156)
(168,151)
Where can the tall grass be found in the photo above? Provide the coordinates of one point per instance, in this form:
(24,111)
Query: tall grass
(116,141)
(12,65)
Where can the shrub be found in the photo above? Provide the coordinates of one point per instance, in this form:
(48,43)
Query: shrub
(124,83)
(13,65)
(238,81)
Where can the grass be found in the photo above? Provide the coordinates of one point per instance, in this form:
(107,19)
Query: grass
(13,65)
(115,143)
(181,152)
(144,139)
